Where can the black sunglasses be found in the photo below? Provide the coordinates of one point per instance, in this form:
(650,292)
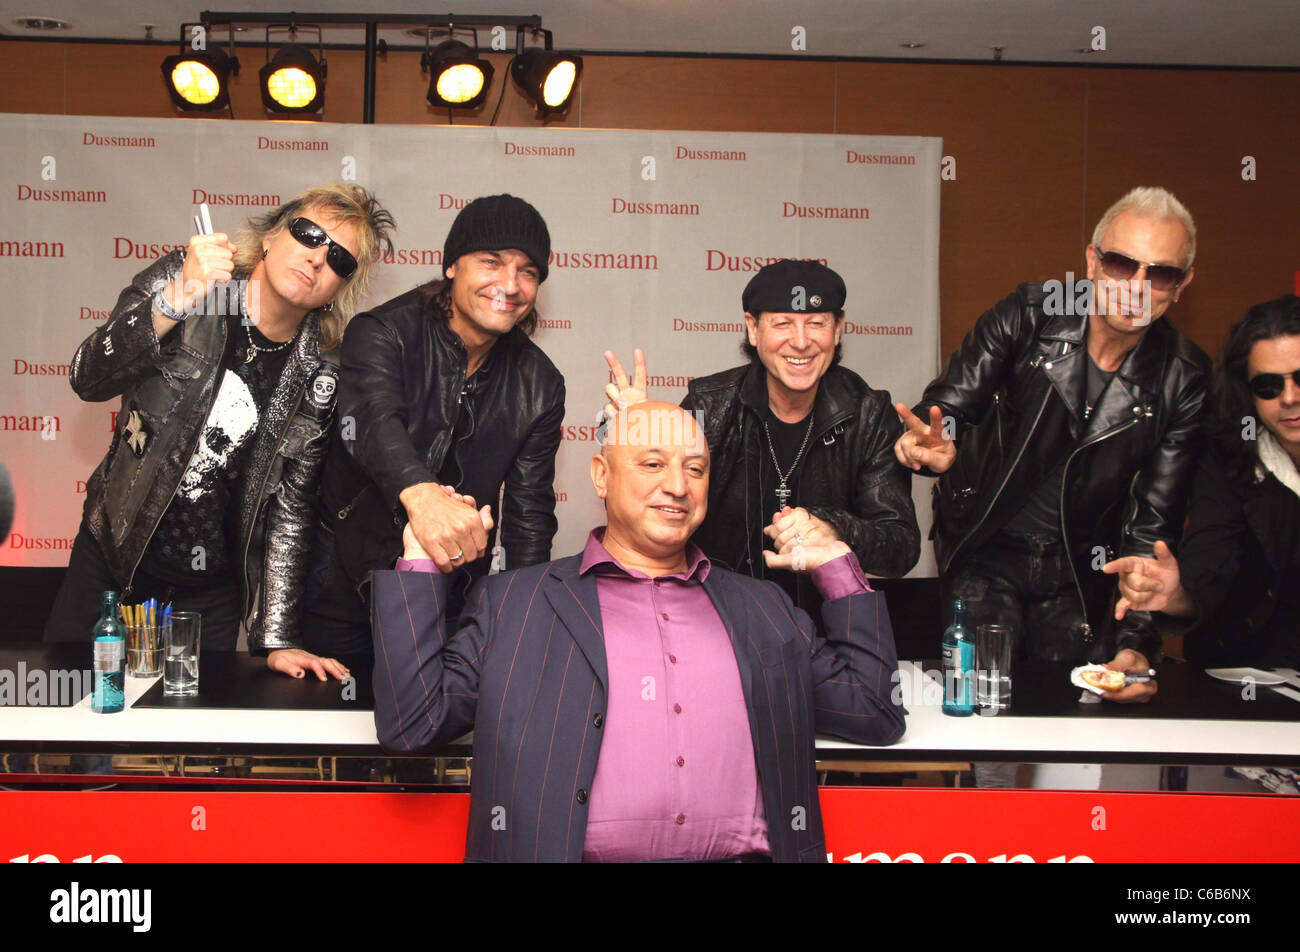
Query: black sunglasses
(1270,386)
(313,235)
(1163,277)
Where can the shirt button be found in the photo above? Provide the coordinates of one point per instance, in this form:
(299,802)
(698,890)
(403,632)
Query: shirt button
(672,658)
(677,708)
(597,720)
(681,761)
(665,616)
(681,818)
(582,796)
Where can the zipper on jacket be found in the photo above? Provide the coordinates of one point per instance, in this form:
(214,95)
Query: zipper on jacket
(1007,478)
(1065,535)
(343,513)
(462,398)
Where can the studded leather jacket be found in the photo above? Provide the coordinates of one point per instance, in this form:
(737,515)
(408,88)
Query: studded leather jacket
(848,477)
(1016,390)
(167,390)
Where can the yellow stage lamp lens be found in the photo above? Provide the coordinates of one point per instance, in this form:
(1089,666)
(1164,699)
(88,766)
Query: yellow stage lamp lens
(559,83)
(195,82)
(460,83)
(291,87)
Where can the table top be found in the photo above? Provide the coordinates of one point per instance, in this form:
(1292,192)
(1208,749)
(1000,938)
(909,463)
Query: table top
(246,708)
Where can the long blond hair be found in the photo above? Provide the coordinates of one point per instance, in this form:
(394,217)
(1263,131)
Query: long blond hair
(350,203)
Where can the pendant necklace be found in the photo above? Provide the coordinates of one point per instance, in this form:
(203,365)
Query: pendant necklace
(783,491)
(254,349)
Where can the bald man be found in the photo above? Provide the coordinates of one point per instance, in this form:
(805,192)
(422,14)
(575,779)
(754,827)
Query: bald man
(634,702)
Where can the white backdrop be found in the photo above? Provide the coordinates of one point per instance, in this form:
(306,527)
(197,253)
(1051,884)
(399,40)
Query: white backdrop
(654,235)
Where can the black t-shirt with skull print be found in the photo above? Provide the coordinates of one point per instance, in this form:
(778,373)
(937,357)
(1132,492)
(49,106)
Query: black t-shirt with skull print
(197,535)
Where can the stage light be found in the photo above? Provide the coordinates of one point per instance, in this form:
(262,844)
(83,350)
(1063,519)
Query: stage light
(547,78)
(199,80)
(458,78)
(293,81)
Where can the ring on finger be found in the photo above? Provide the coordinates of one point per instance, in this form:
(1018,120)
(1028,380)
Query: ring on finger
(460,554)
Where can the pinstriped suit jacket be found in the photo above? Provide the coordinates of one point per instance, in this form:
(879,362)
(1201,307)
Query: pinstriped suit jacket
(526,671)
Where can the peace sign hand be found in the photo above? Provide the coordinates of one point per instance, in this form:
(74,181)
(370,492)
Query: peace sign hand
(923,444)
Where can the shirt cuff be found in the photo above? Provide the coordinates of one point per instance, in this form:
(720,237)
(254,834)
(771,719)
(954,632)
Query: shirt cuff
(416,565)
(841,577)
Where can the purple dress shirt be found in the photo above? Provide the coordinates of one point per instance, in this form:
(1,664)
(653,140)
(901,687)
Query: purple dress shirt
(676,778)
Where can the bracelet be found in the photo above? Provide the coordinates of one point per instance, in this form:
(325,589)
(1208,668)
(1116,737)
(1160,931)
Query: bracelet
(164,306)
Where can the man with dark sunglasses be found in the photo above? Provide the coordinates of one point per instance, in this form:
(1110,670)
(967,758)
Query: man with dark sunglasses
(442,389)
(1234,573)
(1063,431)
(225,357)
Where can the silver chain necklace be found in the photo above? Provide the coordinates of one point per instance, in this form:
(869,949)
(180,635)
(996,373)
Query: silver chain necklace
(254,349)
(783,492)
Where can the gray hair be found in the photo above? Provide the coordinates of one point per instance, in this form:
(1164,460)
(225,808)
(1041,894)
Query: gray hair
(1150,202)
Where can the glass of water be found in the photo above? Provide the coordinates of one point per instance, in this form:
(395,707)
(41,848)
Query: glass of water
(181,655)
(993,644)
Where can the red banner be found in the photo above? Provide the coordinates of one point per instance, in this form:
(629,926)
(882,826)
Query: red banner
(862,825)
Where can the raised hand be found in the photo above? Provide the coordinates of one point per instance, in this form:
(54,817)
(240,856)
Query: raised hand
(209,260)
(622,393)
(923,444)
(1149,585)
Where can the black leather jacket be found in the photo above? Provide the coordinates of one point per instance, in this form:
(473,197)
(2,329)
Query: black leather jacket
(170,389)
(1238,564)
(1016,388)
(402,392)
(848,478)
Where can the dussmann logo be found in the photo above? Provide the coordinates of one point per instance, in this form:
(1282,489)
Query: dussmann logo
(604,260)
(123,142)
(621,206)
(19,541)
(709,155)
(293,145)
(124,247)
(88,196)
(795,210)
(202,196)
(515,148)
(14,248)
(877,158)
(885,330)
(721,261)
(46,424)
(669,380)
(446,201)
(420,256)
(51,370)
(92,314)
(708,327)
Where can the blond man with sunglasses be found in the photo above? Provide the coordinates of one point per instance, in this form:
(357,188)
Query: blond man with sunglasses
(224,356)
(1063,432)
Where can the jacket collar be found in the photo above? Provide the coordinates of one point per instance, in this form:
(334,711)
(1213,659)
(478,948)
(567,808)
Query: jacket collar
(1133,389)
(833,405)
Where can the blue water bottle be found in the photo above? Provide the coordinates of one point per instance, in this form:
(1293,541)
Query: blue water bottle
(109,646)
(958,664)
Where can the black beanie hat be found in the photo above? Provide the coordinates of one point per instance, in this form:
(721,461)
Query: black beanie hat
(788,286)
(496,222)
